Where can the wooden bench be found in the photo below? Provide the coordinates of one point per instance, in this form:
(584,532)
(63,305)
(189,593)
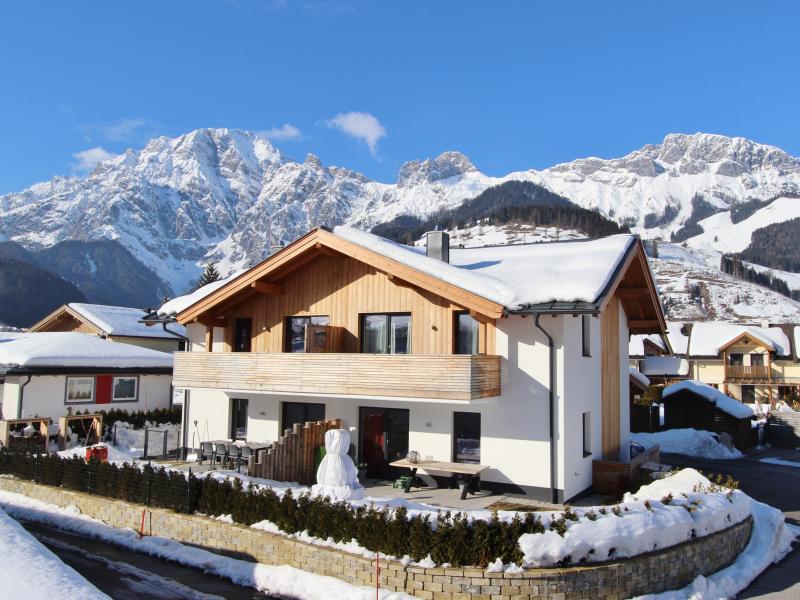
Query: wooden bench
(471,471)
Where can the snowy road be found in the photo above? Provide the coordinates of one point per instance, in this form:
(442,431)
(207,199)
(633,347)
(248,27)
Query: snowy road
(126,575)
(775,484)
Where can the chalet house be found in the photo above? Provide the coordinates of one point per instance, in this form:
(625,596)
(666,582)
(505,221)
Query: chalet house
(749,362)
(514,357)
(117,323)
(48,374)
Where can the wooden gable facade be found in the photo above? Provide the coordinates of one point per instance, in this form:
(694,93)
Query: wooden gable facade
(66,319)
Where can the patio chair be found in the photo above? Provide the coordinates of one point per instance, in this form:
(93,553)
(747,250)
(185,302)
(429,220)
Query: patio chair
(206,452)
(243,457)
(221,454)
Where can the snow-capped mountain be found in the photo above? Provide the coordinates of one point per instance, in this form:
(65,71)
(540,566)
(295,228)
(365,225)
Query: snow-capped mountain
(228,195)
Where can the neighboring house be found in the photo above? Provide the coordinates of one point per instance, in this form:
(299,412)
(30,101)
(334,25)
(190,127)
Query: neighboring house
(749,362)
(44,374)
(515,357)
(117,323)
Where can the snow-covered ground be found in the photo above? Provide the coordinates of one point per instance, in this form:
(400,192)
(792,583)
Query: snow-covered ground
(692,442)
(283,580)
(130,442)
(30,568)
(780,461)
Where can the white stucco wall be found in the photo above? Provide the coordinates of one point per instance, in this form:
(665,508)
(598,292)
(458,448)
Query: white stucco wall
(45,394)
(196,332)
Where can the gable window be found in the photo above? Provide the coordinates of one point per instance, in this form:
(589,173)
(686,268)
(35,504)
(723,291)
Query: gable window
(242,338)
(587,434)
(466,334)
(586,331)
(125,389)
(296,331)
(756,360)
(80,390)
(466,437)
(386,333)
(736,360)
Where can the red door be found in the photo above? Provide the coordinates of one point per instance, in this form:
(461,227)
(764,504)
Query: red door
(373,440)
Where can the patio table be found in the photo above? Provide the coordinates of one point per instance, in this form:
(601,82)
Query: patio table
(470,470)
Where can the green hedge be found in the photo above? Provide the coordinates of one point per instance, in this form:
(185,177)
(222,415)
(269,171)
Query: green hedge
(138,419)
(449,538)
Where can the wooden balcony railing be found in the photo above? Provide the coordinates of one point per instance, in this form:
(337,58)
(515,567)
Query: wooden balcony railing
(750,372)
(446,377)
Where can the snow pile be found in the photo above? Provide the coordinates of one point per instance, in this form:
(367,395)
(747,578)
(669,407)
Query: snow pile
(516,275)
(280,580)
(337,476)
(721,401)
(122,321)
(662,514)
(665,365)
(59,349)
(638,376)
(691,442)
(130,442)
(32,571)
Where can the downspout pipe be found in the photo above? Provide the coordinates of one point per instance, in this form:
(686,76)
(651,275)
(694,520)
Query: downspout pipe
(175,333)
(551,389)
(22,396)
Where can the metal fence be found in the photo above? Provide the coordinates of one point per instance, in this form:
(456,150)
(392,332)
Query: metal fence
(783,429)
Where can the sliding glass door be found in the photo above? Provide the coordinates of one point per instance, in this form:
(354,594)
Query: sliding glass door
(383,438)
(386,334)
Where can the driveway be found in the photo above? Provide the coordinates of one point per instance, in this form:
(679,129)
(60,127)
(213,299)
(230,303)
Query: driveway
(776,485)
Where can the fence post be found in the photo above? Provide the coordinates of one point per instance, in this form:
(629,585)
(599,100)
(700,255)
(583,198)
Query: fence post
(89,477)
(149,476)
(164,446)
(146,436)
(189,492)
(36,470)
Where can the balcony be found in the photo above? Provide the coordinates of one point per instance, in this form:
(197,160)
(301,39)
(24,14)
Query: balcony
(442,377)
(755,373)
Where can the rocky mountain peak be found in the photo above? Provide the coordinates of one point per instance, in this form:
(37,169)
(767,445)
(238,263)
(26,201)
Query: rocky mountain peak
(446,165)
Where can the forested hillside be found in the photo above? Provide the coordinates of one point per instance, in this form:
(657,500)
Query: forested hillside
(510,202)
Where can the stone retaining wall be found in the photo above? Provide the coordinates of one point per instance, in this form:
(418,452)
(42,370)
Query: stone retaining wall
(671,568)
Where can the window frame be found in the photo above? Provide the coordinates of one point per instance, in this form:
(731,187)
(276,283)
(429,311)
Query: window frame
(476,332)
(287,328)
(389,315)
(135,389)
(93,397)
(455,437)
(586,336)
(306,406)
(586,420)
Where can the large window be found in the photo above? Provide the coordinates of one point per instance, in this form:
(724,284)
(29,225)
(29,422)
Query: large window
(80,390)
(386,334)
(749,394)
(466,333)
(239,418)
(736,360)
(756,360)
(243,335)
(125,389)
(586,334)
(466,437)
(300,412)
(296,331)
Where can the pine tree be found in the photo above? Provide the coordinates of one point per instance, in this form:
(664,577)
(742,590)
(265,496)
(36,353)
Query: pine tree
(210,275)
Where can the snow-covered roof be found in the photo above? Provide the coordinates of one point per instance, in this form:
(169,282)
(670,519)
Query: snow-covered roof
(62,349)
(709,337)
(122,321)
(665,365)
(721,401)
(179,303)
(516,275)
(677,340)
(639,376)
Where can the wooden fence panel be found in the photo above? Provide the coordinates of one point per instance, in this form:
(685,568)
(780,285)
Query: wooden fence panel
(291,458)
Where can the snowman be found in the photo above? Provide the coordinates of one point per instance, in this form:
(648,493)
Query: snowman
(337,477)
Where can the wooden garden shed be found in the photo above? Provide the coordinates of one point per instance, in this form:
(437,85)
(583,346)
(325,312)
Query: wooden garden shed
(696,405)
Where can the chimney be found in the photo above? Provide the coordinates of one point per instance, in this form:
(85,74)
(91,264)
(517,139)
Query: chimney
(437,245)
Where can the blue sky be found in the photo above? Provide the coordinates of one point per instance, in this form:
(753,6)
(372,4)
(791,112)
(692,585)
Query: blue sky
(513,85)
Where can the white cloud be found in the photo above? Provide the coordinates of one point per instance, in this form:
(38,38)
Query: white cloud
(361,126)
(124,129)
(86,160)
(284,133)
